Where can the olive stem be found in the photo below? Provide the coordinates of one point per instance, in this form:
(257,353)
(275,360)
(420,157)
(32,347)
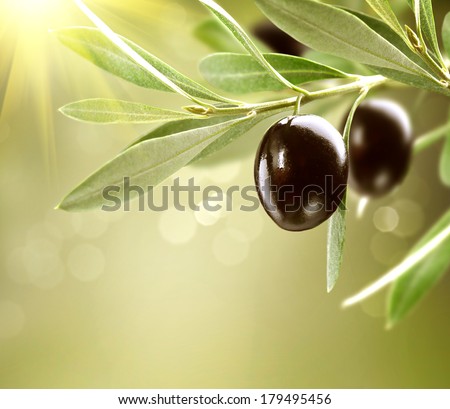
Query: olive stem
(431,138)
(298,105)
(357,86)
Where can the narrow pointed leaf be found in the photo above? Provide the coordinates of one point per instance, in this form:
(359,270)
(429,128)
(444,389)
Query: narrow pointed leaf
(175,127)
(427,25)
(335,31)
(410,79)
(384,10)
(225,139)
(335,244)
(145,164)
(240,73)
(92,45)
(390,35)
(418,280)
(337,223)
(235,132)
(240,34)
(338,63)
(446,34)
(109,111)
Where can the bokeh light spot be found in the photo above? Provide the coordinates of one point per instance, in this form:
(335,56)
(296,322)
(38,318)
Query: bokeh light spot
(206,217)
(86,262)
(231,247)
(411,220)
(385,219)
(177,227)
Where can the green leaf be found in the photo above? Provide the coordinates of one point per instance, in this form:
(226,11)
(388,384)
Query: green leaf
(335,31)
(427,26)
(416,282)
(240,34)
(240,73)
(384,10)
(181,126)
(235,132)
(444,165)
(92,45)
(446,33)
(213,34)
(110,111)
(390,35)
(338,63)
(386,32)
(337,222)
(228,137)
(146,164)
(335,244)
(413,80)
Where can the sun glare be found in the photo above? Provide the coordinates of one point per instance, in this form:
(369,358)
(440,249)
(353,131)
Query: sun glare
(31,58)
(33,10)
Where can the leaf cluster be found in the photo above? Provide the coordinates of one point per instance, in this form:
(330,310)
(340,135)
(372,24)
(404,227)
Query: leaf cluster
(378,45)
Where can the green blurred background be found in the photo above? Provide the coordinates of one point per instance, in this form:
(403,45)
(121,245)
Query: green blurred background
(181,300)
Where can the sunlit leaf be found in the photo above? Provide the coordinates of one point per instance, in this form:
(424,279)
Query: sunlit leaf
(225,139)
(109,111)
(91,44)
(145,164)
(240,73)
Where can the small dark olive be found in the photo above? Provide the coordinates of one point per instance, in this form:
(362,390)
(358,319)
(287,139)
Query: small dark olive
(277,40)
(380,147)
(301,171)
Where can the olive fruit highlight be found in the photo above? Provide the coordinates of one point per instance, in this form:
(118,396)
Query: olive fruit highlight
(301,171)
(277,40)
(380,147)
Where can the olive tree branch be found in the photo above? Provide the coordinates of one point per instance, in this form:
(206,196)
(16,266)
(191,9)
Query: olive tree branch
(361,84)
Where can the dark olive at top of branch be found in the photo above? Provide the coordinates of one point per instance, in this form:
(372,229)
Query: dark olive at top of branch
(380,147)
(277,40)
(301,171)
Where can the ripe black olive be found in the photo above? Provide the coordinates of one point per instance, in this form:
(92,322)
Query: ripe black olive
(380,147)
(301,171)
(277,40)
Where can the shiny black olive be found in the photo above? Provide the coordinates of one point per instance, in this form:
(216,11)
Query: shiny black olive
(301,171)
(277,40)
(380,147)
